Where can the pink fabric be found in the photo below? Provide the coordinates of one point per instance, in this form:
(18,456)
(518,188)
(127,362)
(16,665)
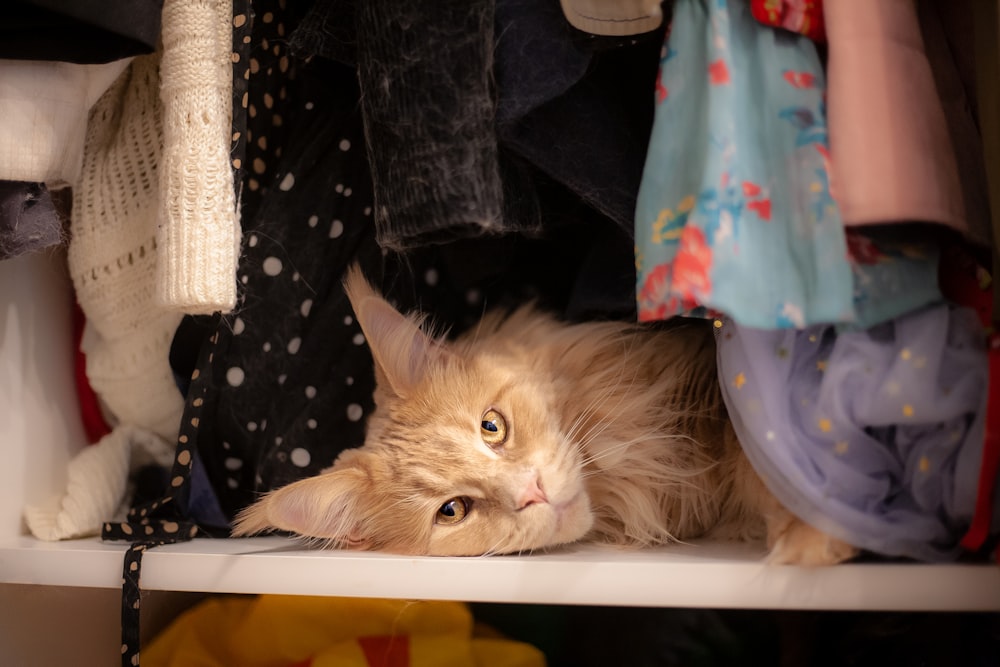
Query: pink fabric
(893,159)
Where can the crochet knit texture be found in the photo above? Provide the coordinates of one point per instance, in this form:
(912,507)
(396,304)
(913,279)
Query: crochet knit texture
(113,253)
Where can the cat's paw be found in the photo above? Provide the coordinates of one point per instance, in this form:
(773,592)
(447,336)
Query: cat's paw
(798,543)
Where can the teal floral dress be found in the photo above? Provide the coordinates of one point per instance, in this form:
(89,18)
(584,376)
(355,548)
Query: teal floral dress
(735,213)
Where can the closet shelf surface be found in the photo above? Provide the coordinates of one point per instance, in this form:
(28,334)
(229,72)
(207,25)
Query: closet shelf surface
(702,574)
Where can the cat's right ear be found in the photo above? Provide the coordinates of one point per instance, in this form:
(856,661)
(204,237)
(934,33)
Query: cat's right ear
(401,349)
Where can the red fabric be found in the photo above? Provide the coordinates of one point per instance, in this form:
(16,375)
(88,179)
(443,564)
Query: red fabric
(90,408)
(990,467)
(386,651)
(966,283)
(802,16)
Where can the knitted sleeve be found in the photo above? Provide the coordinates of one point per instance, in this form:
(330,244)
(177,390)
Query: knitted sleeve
(198,227)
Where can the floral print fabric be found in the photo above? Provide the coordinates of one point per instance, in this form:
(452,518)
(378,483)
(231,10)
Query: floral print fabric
(735,211)
(801,16)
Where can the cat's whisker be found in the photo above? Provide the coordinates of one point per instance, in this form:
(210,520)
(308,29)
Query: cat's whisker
(588,461)
(602,398)
(617,447)
(524,544)
(601,426)
(493,550)
(613,390)
(585,416)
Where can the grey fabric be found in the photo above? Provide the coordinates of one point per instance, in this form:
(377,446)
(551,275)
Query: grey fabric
(29,220)
(429,114)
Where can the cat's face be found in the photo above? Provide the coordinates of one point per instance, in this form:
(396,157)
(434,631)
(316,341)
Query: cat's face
(464,455)
(475,460)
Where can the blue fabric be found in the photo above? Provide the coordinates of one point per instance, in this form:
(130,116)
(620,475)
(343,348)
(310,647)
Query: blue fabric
(873,436)
(891,274)
(735,211)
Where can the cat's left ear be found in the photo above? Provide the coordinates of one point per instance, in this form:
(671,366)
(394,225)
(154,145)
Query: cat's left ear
(401,349)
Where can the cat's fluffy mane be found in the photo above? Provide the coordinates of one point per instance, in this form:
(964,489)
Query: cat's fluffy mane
(628,414)
(660,459)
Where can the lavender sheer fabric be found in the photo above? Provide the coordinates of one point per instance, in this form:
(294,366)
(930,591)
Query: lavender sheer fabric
(873,436)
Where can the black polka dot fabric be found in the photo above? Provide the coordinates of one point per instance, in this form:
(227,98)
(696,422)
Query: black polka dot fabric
(293,378)
(242,41)
(269,73)
(160,521)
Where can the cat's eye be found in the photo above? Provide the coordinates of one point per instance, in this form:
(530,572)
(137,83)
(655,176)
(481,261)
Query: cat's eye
(493,429)
(453,511)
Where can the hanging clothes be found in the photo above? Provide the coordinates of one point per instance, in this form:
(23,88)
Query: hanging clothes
(613,17)
(428,105)
(945,28)
(574,108)
(198,226)
(79,31)
(874,436)
(484,162)
(735,211)
(44,106)
(891,146)
(113,255)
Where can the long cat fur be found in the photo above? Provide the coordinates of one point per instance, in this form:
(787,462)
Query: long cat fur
(617,433)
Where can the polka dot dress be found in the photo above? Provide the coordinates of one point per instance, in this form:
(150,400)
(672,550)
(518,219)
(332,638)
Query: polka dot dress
(291,377)
(294,378)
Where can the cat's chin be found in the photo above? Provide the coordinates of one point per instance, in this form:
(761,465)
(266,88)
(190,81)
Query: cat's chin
(573,519)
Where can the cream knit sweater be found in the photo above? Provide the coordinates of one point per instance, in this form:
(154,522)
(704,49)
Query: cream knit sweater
(114,255)
(154,234)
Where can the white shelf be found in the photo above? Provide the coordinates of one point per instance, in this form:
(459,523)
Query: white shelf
(711,575)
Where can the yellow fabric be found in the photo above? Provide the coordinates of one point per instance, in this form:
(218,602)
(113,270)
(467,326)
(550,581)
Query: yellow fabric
(300,631)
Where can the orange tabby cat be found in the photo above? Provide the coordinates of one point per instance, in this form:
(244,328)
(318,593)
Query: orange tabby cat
(528,433)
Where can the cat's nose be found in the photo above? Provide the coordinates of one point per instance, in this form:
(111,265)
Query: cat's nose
(532,494)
